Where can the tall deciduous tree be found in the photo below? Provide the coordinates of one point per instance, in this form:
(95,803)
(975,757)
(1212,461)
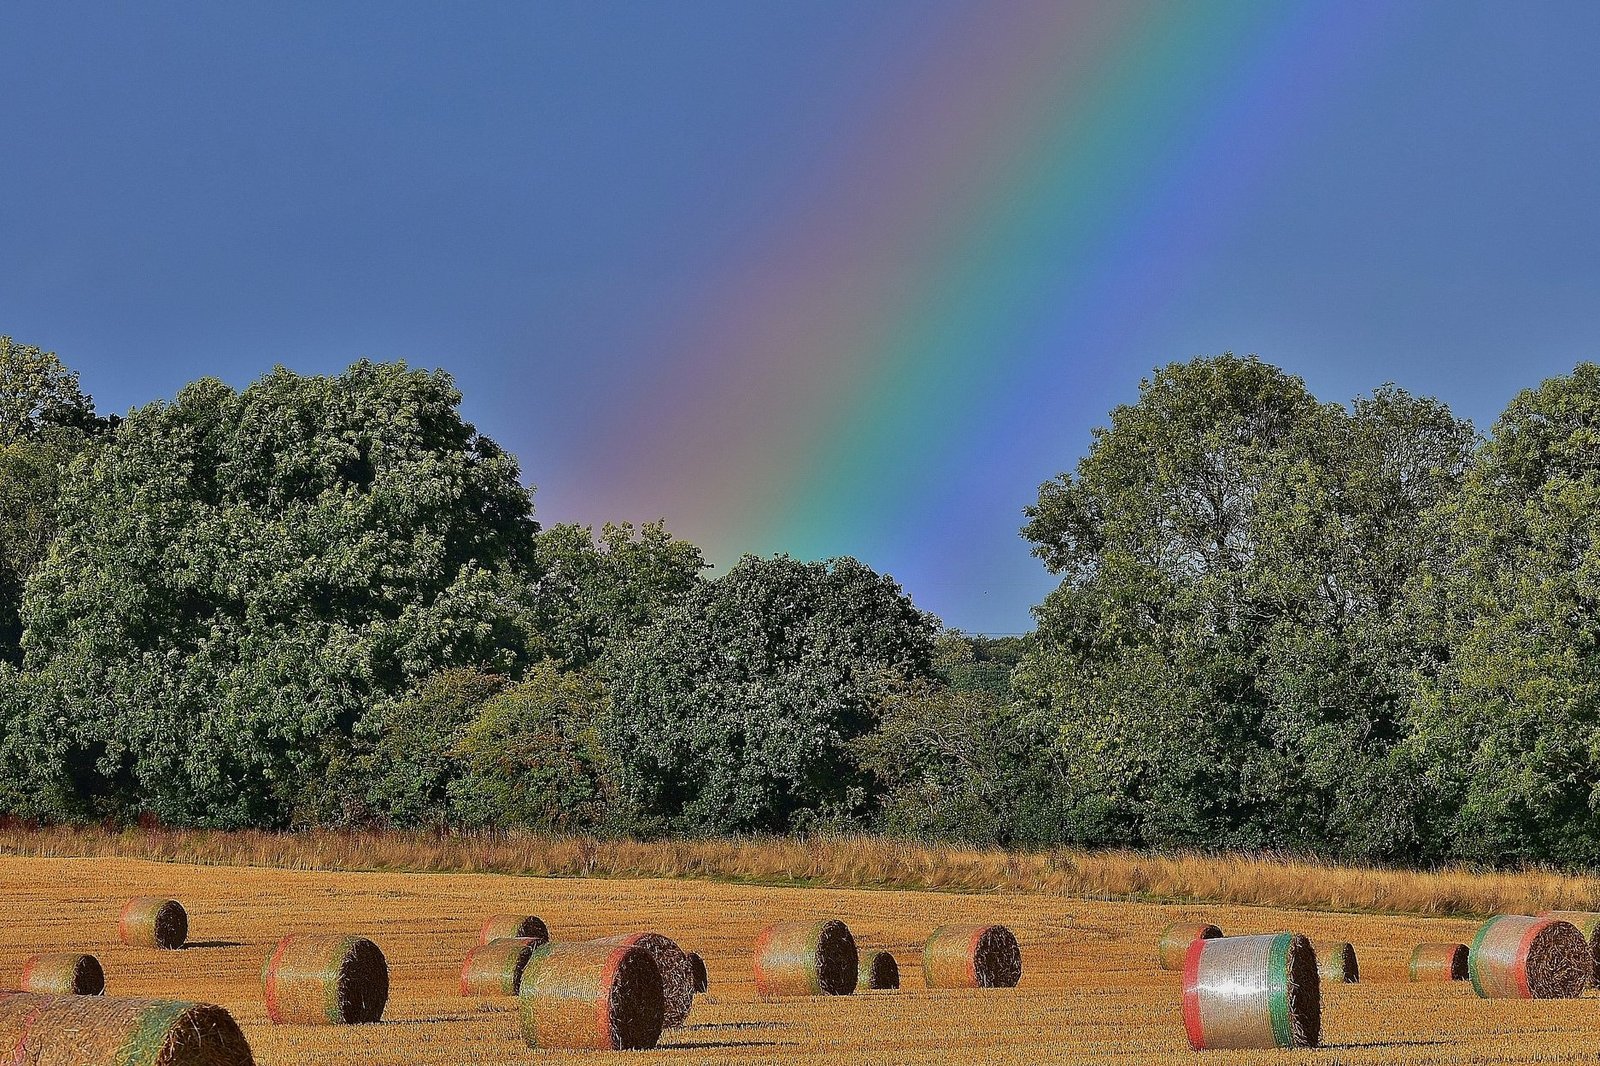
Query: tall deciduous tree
(734,709)
(241,577)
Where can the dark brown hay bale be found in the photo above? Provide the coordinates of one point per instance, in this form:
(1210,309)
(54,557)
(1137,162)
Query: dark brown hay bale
(42,1030)
(1173,947)
(879,971)
(702,980)
(63,973)
(605,997)
(805,959)
(1518,957)
(677,976)
(325,979)
(495,968)
(1336,962)
(514,926)
(150,922)
(1438,962)
(972,956)
(1588,923)
(1252,992)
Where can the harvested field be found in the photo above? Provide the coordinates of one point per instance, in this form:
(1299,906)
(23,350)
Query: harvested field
(1091,990)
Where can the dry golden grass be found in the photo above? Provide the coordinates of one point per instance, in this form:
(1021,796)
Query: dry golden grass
(849,862)
(1091,991)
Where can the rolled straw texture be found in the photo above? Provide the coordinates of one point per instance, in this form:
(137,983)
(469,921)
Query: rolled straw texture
(325,979)
(879,971)
(971,956)
(1438,962)
(1588,923)
(805,959)
(63,973)
(603,997)
(150,922)
(1515,956)
(515,926)
(495,968)
(677,976)
(1336,962)
(1173,947)
(40,1030)
(697,966)
(1252,992)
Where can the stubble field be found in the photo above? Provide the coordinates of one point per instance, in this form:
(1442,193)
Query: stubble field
(1090,992)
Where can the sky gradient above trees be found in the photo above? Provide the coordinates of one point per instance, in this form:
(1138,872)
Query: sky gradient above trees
(830,279)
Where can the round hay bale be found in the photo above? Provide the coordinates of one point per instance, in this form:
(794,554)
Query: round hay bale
(1515,956)
(604,997)
(1438,962)
(515,927)
(325,979)
(63,973)
(879,971)
(150,922)
(1336,962)
(702,980)
(805,959)
(495,968)
(95,1030)
(972,956)
(1173,947)
(1252,992)
(677,975)
(1588,923)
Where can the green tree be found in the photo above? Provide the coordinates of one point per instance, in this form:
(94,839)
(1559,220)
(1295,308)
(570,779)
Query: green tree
(734,709)
(535,756)
(1507,717)
(240,578)
(416,757)
(45,421)
(1230,550)
(595,593)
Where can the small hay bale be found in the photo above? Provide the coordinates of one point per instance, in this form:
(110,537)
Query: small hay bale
(1336,962)
(1173,946)
(495,968)
(151,922)
(1438,962)
(1252,992)
(604,997)
(96,1030)
(514,927)
(677,975)
(325,979)
(1588,923)
(702,980)
(1519,957)
(972,956)
(806,959)
(879,972)
(63,973)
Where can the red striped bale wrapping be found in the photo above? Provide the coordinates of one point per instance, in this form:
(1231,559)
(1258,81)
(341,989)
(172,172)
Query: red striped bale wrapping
(971,956)
(1516,956)
(806,959)
(325,979)
(152,922)
(1252,992)
(63,973)
(44,1030)
(602,997)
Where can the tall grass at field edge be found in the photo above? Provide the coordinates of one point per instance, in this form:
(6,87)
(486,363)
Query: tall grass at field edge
(848,862)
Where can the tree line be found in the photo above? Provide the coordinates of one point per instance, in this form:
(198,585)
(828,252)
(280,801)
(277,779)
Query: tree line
(1360,630)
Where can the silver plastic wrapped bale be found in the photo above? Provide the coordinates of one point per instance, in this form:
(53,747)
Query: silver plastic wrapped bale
(1252,992)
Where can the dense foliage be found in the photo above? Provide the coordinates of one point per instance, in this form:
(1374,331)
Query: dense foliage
(1280,623)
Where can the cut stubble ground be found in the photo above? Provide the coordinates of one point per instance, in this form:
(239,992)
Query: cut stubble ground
(1091,991)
